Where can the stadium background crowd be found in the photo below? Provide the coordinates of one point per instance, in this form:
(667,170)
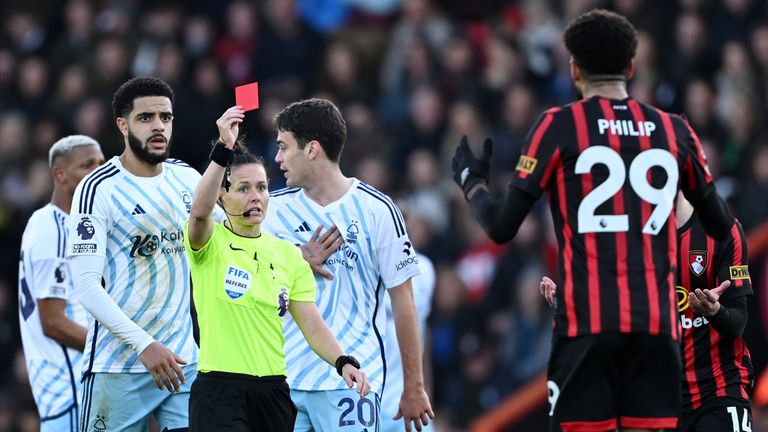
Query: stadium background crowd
(411,77)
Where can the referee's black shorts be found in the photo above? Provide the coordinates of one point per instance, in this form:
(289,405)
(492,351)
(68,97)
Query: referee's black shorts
(221,401)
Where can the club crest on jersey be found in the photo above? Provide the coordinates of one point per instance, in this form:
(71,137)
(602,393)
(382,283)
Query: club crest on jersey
(236,282)
(282,302)
(85,229)
(698,261)
(352,232)
(187,201)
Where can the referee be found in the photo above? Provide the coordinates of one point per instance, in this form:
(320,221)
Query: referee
(245,281)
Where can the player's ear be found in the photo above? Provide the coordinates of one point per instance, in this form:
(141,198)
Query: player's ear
(575,72)
(630,70)
(122,125)
(58,174)
(313,149)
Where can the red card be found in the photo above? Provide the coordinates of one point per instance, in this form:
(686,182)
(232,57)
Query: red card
(247,96)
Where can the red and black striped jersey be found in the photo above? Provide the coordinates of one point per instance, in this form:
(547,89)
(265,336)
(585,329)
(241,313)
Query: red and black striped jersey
(715,366)
(611,170)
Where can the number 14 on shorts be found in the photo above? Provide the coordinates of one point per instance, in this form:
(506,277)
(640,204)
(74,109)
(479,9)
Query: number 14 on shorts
(745,425)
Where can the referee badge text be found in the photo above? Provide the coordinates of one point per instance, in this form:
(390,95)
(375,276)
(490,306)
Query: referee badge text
(236,282)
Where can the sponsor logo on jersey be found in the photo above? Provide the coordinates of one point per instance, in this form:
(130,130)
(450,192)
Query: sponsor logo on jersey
(689,323)
(698,261)
(682,298)
(410,260)
(83,248)
(85,229)
(236,282)
(526,164)
(739,272)
(149,244)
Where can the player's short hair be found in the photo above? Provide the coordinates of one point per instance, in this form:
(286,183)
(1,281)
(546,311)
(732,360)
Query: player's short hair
(315,119)
(63,147)
(122,102)
(601,42)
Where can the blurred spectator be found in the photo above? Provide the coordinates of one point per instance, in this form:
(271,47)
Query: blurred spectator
(238,44)
(412,77)
(297,46)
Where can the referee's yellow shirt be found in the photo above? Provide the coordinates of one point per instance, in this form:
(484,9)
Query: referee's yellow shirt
(242,287)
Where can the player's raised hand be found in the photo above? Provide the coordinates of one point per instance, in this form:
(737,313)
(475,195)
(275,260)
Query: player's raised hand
(164,366)
(468,169)
(320,247)
(352,376)
(707,302)
(414,408)
(229,125)
(548,289)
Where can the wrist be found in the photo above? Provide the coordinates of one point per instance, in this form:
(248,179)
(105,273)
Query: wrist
(719,312)
(221,154)
(344,360)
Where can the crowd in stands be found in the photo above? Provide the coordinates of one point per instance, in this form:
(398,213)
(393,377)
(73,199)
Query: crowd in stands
(411,77)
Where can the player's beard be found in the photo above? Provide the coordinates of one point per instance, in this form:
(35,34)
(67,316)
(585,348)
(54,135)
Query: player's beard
(142,151)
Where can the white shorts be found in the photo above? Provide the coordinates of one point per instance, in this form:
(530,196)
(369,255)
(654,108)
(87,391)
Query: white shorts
(124,402)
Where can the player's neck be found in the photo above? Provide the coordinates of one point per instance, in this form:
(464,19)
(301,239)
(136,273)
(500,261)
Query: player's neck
(683,211)
(61,199)
(138,167)
(330,188)
(609,89)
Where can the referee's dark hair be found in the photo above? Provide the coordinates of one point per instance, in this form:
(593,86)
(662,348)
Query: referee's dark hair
(242,156)
(122,102)
(315,119)
(601,42)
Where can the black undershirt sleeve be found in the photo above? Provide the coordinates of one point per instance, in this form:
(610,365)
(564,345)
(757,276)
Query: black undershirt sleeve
(731,319)
(714,215)
(501,218)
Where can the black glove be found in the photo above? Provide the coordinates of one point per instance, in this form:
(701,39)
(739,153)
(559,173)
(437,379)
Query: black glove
(468,170)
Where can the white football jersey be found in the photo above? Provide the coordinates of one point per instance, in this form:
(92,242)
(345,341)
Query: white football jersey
(136,224)
(376,255)
(53,369)
(423,287)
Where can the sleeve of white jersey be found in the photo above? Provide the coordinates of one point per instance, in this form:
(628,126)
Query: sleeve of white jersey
(86,247)
(88,223)
(397,259)
(49,273)
(424,287)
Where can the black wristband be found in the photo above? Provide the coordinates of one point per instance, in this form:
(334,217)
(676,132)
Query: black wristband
(345,360)
(221,154)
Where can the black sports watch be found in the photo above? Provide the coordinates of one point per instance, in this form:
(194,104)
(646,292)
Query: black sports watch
(345,360)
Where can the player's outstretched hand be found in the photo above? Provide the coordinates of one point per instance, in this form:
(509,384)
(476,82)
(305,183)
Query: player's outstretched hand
(352,376)
(229,125)
(164,366)
(320,247)
(707,302)
(548,289)
(468,169)
(414,408)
